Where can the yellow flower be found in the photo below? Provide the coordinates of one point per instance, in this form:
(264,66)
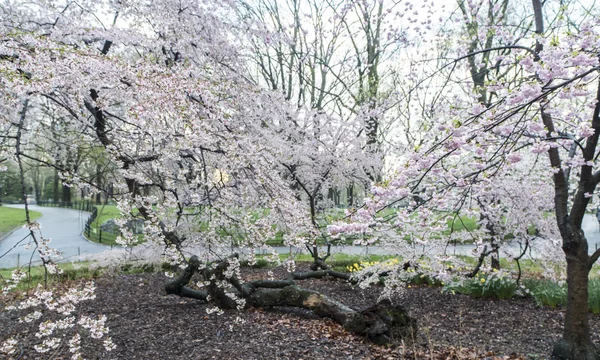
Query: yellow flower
(482,280)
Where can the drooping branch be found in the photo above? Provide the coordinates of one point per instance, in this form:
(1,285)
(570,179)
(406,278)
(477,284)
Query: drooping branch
(517,260)
(481,258)
(594,257)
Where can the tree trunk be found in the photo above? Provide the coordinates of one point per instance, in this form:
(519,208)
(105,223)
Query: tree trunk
(35,178)
(350,195)
(55,197)
(495,259)
(66,195)
(99,183)
(576,343)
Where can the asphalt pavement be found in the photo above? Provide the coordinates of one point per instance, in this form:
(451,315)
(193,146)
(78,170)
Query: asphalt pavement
(63,227)
(590,226)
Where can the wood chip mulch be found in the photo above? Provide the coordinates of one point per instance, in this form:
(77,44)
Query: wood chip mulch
(145,323)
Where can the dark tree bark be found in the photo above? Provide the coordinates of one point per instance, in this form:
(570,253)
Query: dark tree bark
(576,343)
(99,183)
(350,195)
(66,195)
(178,285)
(383,323)
(55,181)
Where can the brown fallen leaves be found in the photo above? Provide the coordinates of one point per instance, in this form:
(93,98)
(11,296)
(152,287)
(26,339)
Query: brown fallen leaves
(452,353)
(328,330)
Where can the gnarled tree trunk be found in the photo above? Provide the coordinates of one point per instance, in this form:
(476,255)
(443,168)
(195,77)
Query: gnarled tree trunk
(383,323)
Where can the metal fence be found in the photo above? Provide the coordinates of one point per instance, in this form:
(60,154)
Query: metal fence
(88,223)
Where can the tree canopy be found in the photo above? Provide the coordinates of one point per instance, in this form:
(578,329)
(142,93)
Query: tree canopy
(222,124)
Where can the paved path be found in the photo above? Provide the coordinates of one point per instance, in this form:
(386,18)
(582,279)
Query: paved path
(590,227)
(62,226)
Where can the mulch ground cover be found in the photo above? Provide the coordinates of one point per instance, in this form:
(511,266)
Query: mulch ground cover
(145,323)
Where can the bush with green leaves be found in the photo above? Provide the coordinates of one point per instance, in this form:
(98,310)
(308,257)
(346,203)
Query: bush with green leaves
(546,292)
(494,285)
(553,294)
(423,279)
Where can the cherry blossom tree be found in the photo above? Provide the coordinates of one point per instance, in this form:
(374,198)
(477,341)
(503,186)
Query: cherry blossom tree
(196,144)
(198,148)
(536,135)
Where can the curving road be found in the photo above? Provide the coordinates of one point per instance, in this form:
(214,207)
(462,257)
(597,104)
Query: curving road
(62,226)
(590,227)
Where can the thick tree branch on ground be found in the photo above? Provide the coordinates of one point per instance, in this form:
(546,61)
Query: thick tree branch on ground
(178,285)
(320,274)
(319,263)
(383,323)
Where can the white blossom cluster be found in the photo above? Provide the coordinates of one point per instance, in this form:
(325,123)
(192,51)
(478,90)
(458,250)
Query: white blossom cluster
(53,333)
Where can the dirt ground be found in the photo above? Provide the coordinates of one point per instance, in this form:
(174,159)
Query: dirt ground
(145,323)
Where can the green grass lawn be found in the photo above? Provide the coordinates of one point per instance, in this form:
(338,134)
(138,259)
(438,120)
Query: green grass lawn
(70,271)
(11,218)
(462,223)
(105,212)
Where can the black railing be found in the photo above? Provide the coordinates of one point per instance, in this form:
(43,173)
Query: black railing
(88,223)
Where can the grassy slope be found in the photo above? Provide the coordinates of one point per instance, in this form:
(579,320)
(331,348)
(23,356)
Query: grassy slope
(105,212)
(11,218)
